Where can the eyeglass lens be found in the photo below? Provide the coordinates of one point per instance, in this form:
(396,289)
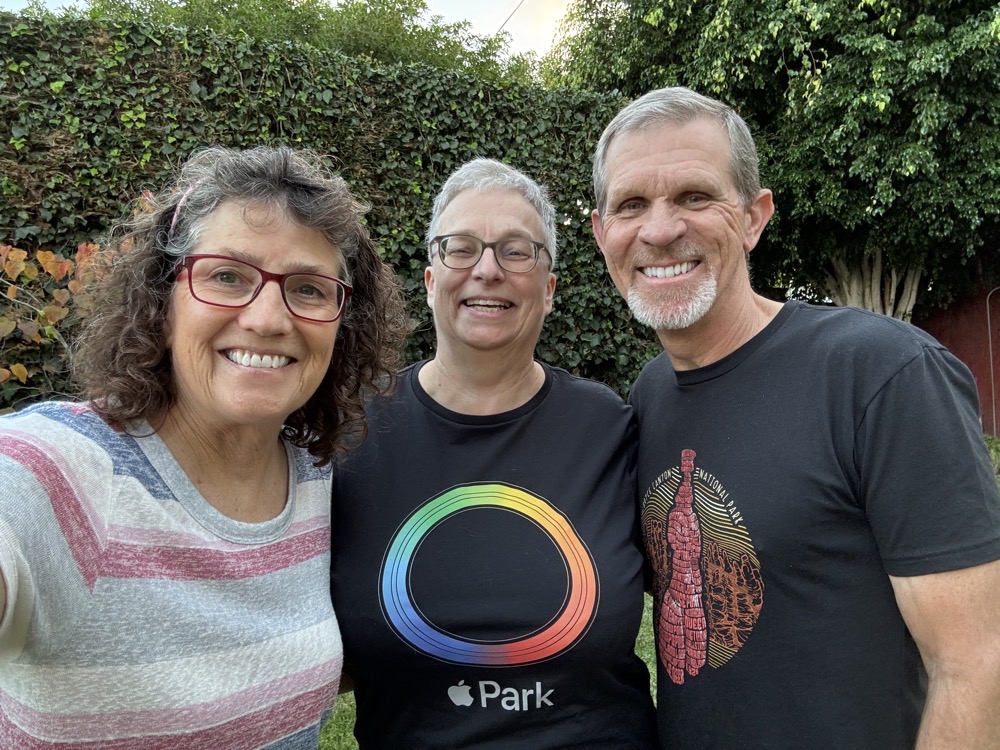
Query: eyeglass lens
(231,283)
(514,254)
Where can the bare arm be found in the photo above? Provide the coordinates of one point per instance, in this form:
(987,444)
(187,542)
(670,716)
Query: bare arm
(955,620)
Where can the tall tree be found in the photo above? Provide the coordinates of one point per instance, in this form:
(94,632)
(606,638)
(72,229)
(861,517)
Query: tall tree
(385,31)
(876,120)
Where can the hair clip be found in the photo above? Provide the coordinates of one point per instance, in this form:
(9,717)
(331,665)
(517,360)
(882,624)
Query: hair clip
(177,210)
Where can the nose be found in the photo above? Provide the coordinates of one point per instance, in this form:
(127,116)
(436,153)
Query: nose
(486,267)
(664,224)
(267,315)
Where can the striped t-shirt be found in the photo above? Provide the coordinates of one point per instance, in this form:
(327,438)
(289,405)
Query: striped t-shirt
(138,616)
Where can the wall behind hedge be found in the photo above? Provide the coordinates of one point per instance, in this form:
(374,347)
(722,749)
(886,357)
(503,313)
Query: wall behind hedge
(91,115)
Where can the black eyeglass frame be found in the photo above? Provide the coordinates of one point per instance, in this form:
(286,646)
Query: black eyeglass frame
(538,247)
(265,276)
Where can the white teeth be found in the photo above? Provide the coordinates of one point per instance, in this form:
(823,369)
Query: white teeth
(267,361)
(494,303)
(668,272)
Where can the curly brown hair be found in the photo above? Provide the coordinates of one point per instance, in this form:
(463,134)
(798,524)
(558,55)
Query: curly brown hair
(121,362)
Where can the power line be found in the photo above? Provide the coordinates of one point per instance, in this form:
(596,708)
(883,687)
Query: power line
(510,16)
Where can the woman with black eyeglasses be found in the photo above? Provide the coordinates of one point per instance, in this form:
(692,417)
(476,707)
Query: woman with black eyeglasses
(164,543)
(487,572)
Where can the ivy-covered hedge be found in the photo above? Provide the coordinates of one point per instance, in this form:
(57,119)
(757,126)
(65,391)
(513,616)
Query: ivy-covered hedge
(91,115)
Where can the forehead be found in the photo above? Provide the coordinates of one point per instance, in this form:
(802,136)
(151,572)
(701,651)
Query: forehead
(233,216)
(490,215)
(266,233)
(695,150)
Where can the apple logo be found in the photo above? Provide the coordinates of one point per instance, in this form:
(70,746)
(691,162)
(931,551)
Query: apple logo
(460,694)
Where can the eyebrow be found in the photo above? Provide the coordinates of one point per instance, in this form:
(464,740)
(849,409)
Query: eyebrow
(520,234)
(248,258)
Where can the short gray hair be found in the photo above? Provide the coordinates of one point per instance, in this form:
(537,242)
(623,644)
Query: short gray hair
(483,175)
(677,106)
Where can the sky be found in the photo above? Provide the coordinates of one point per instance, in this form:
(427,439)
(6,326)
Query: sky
(532,24)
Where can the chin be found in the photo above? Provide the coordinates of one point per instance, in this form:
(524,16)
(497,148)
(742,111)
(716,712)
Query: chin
(672,312)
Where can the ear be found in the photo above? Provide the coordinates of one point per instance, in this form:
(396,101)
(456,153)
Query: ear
(429,286)
(168,320)
(550,289)
(595,220)
(757,216)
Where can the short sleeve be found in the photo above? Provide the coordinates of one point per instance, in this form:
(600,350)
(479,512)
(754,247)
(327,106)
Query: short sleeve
(926,479)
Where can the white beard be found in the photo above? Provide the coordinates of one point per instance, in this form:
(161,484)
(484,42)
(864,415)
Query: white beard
(673,311)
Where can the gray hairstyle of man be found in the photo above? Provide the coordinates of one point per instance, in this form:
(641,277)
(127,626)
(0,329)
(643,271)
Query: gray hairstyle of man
(484,175)
(678,105)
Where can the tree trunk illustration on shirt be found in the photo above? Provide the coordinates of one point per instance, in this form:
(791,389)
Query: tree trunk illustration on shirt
(683,628)
(707,585)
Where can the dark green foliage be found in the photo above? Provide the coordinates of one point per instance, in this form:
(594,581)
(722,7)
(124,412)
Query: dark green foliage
(876,120)
(386,31)
(93,114)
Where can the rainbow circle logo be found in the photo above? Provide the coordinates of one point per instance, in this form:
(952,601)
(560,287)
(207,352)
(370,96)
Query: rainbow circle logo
(565,629)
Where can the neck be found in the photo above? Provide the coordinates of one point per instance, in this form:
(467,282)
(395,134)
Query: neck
(241,471)
(492,387)
(718,334)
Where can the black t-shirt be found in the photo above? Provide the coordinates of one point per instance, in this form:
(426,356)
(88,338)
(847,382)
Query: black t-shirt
(781,486)
(487,573)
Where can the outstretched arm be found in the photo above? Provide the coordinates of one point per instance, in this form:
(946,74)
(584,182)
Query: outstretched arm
(954,618)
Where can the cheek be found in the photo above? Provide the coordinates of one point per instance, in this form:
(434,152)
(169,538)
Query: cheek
(616,242)
(731,220)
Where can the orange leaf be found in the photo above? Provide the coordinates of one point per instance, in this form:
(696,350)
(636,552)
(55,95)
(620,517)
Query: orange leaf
(20,372)
(5,374)
(13,264)
(61,297)
(12,292)
(85,253)
(48,260)
(53,314)
(54,265)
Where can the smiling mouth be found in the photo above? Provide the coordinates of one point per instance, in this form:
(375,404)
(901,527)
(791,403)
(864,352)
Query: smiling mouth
(249,359)
(668,272)
(487,304)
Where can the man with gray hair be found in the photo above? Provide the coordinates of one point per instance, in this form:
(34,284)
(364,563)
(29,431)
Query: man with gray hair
(819,512)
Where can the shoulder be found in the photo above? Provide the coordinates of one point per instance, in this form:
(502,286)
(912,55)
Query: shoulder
(652,377)
(582,409)
(46,445)
(873,359)
(853,343)
(306,469)
(851,329)
(56,419)
(573,386)
(402,389)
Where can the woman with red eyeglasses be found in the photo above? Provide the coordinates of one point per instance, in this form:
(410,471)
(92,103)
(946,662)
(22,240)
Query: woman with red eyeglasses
(164,543)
